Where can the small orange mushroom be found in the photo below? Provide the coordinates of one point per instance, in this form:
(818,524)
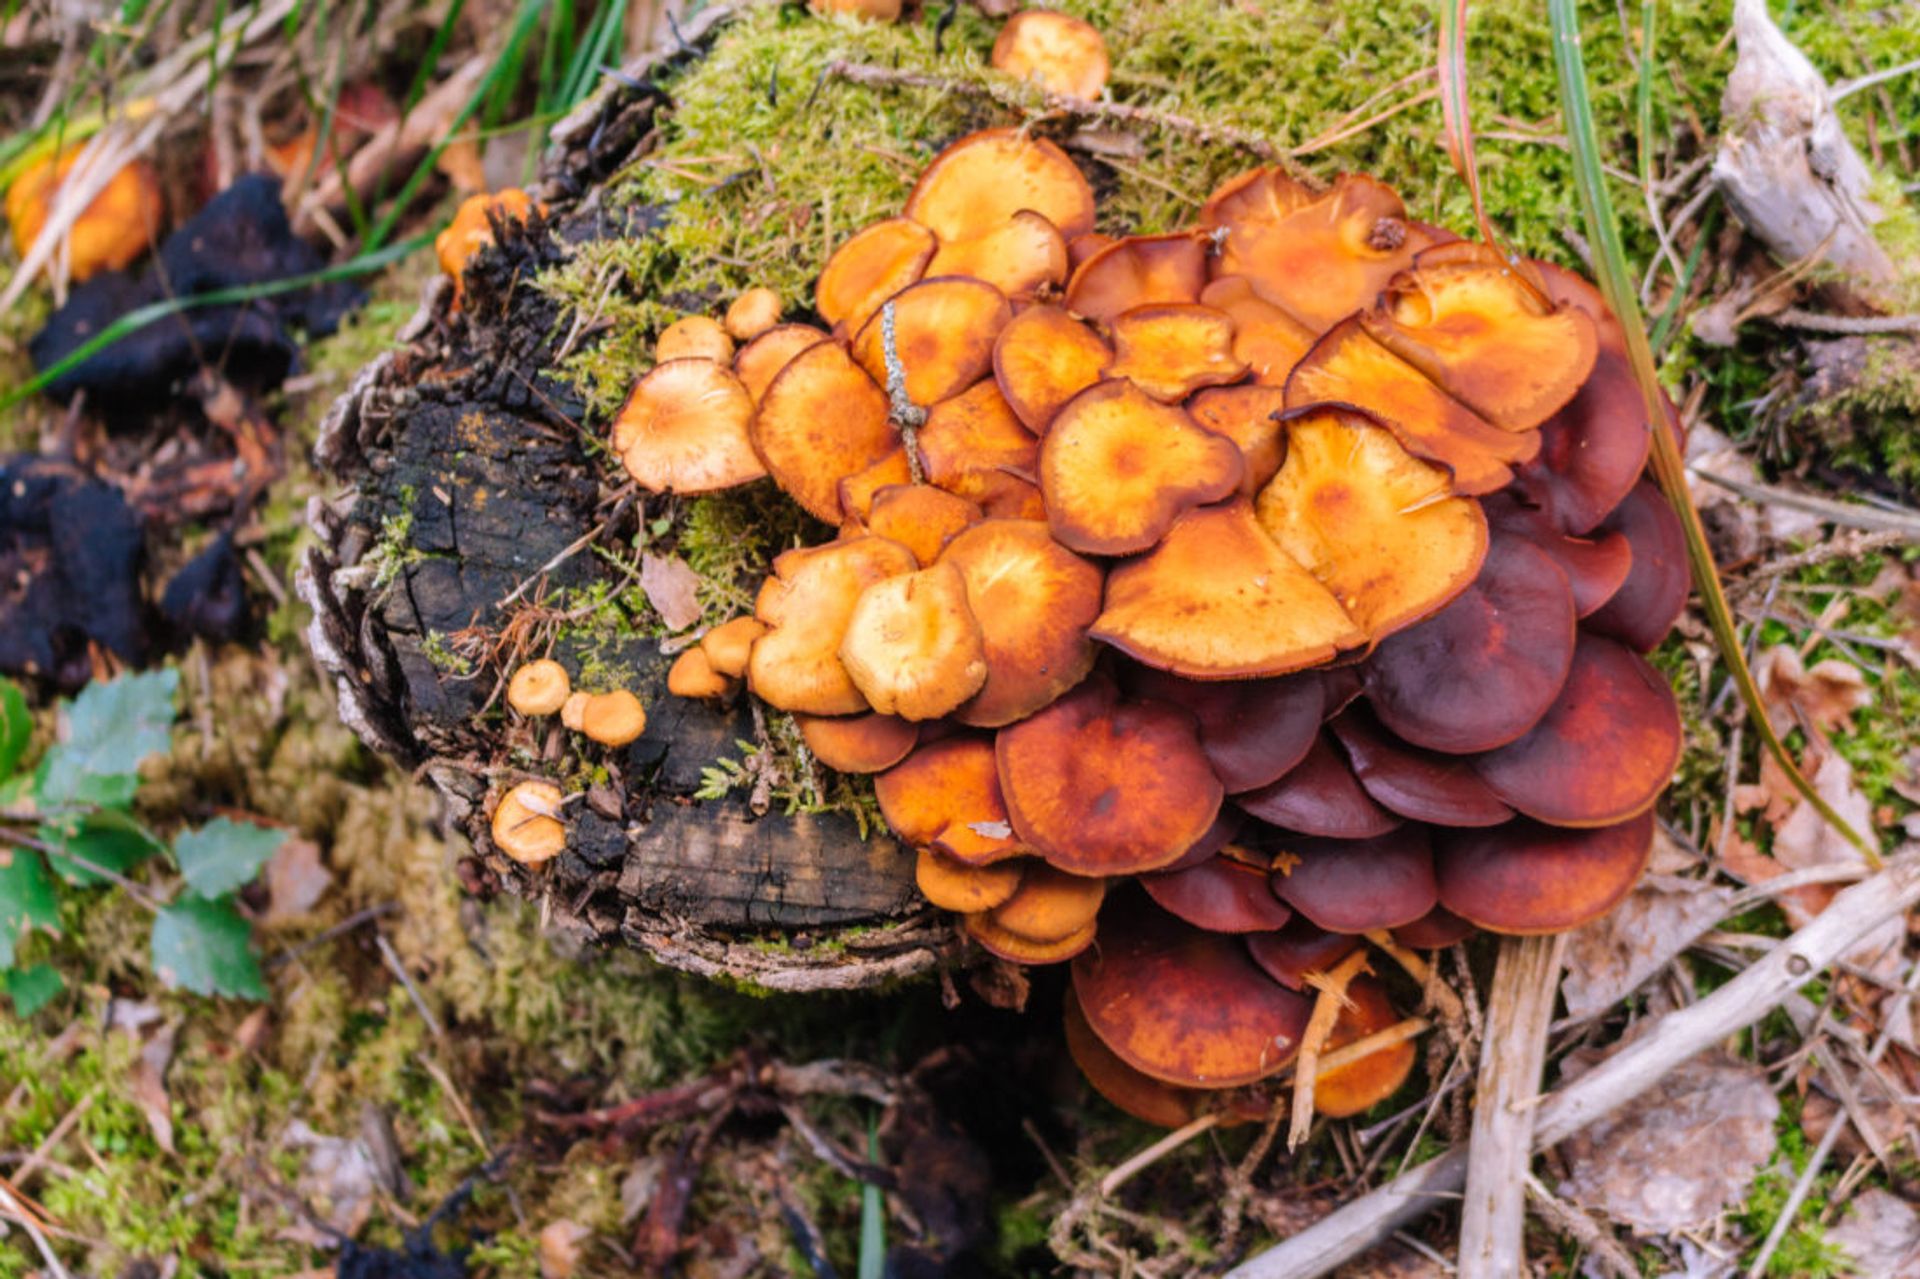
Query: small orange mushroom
(1172,350)
(472,230)
(752,313)
(1141,270)
(1034,600)
(858,743)
(1016,949)
(1375,524)
(760,361)
(943,335)
(1020,257)
(1118,468)
(527,823)
(946,796)
(1145,1098)
(539,688)
(1247,415)
(693,337)
(692,676)
(957,886)
(613,719)
(1098,786)
(821,420)
(1218,600)
(1049,905)
(730,644)
(872,266)
(117,226)
(974,447)
(685,429)
(1265,338)
(985,178)
(920,517)
(806,606)
(1042,359)
(912,646)
(1361,1085)
(857,490)
(573,711)
(870,10)
(1059,52)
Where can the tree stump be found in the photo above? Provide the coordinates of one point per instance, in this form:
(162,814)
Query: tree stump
(469,485)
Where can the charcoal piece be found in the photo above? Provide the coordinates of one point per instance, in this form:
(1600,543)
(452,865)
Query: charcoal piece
(208,596)
(70,559)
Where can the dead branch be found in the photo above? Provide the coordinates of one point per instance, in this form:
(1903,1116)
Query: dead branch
(1667,1042)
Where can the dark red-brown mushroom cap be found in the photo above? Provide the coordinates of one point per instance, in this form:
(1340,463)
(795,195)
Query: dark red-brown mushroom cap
(1604,750)
(1353,885)
(1099,786)
(1424,785)
(1437,928)
(1253,731)
(1147,1099)
(1320,796)
(1526,877)
(1184,1005)
(1484,669)
(1654,593)
(1596,567)
(1227,824)
(1300,948)
(1224,894)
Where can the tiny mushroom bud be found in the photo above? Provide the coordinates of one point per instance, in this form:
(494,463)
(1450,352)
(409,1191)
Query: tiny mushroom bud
(692,675)
(539,688)
(573,711)
(613,719)
(955,885)
(472,229)
(871,10)
(527,825)
(753,313)
(693,337)
(1061,53)
(729,645)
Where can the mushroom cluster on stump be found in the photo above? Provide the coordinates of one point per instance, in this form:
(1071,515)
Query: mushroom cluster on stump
(1206,602)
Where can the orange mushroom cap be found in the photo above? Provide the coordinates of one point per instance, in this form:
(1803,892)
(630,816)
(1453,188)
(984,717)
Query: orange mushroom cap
(1059,52)
(946,796)
(684,429)
(1265,338)
(527,823)
(868,10)
(1172,350)
(1102,787)
(694,337)
(1182,1005)
(1363,1084)
(1140,270)
(1022,256)
(118,225)
(613,719)
(858,743)
(1249,416)
(1218,600)
(985,178)
(912,646)
(753,313)
(729,645)
(958,886)
(920,517)
(692,675)
(1484,669)
(1259,195)
(975,448)
(1145,1098)
(539,688)
(1050,905)
(1529,878)
(943,333)
(1016,949)
(1372,522)
(857,490)
(1468,320)
(760,361)
(1603,751)
(872,266)
(820,420)
(472,226)
(1042,359)
(1034,600)
(1118,467)
(806,606)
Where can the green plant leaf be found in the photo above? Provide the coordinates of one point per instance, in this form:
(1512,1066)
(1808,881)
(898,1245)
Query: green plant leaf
(16,725)
(34,988)
(111,727)
(1669,468)
(26,900)
(223,854)
(107,838)
(203,947)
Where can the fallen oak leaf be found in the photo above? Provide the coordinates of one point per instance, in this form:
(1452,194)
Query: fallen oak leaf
(1823,697)
(296,879)
(672,588)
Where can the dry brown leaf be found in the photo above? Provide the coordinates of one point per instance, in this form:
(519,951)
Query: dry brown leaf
(1824,697)
(1804,839)
(296,880)
(672,588)
(1682,1153)
(337,1181)
(1610,957)
(560,1248)
(147,1076)
(1881,1233)
(460,162)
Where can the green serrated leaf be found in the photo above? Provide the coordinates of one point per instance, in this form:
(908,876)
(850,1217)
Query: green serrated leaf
(223,854)
(34,988)
(111,727)
(16,725)
(26,900)
(203,946)
(109,839)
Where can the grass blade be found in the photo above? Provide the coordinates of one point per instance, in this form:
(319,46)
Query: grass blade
(873,1215)
(1669,469)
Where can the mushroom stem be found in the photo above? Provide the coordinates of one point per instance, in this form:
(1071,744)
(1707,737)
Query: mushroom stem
(1434,992)
(907,416)
(1326,1013)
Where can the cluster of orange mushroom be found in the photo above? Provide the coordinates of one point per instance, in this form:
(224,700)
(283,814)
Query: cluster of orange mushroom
(1206,603)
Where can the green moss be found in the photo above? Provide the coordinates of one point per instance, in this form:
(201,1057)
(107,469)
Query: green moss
(1804,1252)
